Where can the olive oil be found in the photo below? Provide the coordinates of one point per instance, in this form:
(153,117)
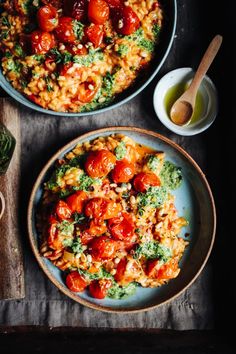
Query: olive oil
(175,92)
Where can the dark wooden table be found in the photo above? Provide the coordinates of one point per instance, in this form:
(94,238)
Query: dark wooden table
(198,22)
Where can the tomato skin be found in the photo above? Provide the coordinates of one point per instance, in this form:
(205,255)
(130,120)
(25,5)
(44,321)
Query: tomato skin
(42,42)
(76,8)
(123,172)
(98,11)
(86,237)
(102,208)
(144,180)
(75,282)
(122,228)
(62,210)
(99,163)
(53,239)
(168,270)
(98,288)
(65,30)
(96,229)
(47,17)
(127,273)
(152,270)
(76,201)
(85,94)
(74,50)
(120,270)
(94,34)
(125,20)
(103,248)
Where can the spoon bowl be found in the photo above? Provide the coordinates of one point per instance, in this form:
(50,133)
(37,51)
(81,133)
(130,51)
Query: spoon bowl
(181,113)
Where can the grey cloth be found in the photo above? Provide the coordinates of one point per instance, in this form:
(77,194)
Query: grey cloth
(42,136)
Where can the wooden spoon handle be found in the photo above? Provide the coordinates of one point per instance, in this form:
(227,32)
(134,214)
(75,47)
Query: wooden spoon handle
(2,205)
(206,61)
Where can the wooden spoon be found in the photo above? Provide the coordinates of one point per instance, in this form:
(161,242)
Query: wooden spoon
(182,110)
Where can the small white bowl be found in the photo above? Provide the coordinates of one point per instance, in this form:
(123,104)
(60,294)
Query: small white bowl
(208,93)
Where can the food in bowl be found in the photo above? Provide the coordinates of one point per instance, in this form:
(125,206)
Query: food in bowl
(107,218)
(77,55)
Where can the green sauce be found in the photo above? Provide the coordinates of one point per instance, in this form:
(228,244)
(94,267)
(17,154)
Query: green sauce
(175,92)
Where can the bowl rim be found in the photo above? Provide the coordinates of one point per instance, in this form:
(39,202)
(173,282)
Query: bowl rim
(38,182)
(26,102)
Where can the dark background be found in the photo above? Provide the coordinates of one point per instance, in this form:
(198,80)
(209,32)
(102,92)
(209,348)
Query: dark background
(198,22)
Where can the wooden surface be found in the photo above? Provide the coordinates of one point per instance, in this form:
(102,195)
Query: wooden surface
(11,258)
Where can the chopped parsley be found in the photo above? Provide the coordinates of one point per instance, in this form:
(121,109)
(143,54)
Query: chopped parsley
(85,182)
(5,21)
(120,150)
(154,198)
(156,30)
(108,40)
(14,65)
(79,218)
(77,246)
(107,83)
(153,162)
(122,50)
(67,242)
(38,57)
(78,29)
(4,34)
(48,84)
(146,44)
(18,50)
(153,250)
(171,175)
(91,57)
(66,228)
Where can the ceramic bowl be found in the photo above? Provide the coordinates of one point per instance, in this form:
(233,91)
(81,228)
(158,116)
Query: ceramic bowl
(166,39)
(209,95)
(194,201)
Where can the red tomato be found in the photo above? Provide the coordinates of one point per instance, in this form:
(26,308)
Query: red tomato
(42,42)
(54,241)
(47,18)
(127,273)
(62,210)
(96,229)
(76,50)
(77,73)
(87,90)
(114,4)
(120,270)
(144,180)
(123,172)
(103,248)
(101,208)
(122,228)
(168,270)
(76,201)
(99,288)
(125,20)
(99,163)
(75,282)
(76,8)
(65,30)
(152,268)
(86,237)
(98,11)
(94,34)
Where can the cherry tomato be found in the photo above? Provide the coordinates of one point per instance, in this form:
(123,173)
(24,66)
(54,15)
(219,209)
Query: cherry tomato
(99,163)
(47,18)
(65,30)
(64,71)
(98,11)
(123,172)
(76,201)
(87,90)
(76,8)
(125,20)
(99,288)
(168,270)
(75,282)
(122,228)
(152,268)
(86,237)
(94,34)
(101,208)
(42,42)
(76,49)
(115,4)
(62,210)
(103,248)
(144,180)
(126,274)
(96,228)
(54,240)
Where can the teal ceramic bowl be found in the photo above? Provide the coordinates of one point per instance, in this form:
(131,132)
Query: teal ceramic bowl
(166,39)
(194,201)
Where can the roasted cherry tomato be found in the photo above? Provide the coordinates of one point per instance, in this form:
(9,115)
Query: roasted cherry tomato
(42,42)
(98,11)
(78,49)
(99,163)
(76,73)
(123,172)
(94,34)
(87,90)
(122,228)
(76,8)
(152,269)
(103,248)
(65,30)
(125,20)
(86,237)
(54,240)
(144,180)
(76,201)
(127,270)
(99,288)
(168,270)
(47,18)
(62,210)
(101,208)
(96,228)
(75,282)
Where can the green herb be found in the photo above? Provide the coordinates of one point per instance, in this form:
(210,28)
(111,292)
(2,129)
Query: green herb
(54,181)
(154,198)
(14,65)
(18,50)
(171,175)
(38,57)
(4,34)
(67,58)
(48,84)
(108,40)
(120,150)
(146,44)
(23,83)
(153,162)
(5,21)
(153,250)
(8,55)
(122,50)
(78,29)
(67,242)
(79,218)
(135,36)
(77,246)
(91,57)
(156,30)
(107,84)
(66,228)
(85,182)
(121,292)
(125,195)
(58,58)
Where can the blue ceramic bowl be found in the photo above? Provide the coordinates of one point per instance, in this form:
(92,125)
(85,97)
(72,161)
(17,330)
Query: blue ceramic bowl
(167,36)
(194,201)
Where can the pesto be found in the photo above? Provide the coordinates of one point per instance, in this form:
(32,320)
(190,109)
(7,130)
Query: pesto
(121,292)
(122,50)
(66,228)
(153,162)
(171,175)
(154,198)
(120,150)
(153,250)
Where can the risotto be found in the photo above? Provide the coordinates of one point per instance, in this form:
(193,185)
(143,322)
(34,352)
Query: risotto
(76,55)
(107,218)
